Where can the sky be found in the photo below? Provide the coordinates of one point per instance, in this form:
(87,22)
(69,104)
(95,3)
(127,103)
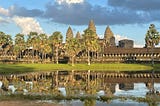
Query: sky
(128,19)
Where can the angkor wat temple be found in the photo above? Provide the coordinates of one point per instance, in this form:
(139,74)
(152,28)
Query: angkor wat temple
(124,51)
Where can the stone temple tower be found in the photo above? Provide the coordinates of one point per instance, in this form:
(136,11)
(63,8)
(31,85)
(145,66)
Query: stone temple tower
(91,26)
(69,33)
(109,38)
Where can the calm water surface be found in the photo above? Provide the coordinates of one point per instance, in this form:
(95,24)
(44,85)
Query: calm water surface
(79,84)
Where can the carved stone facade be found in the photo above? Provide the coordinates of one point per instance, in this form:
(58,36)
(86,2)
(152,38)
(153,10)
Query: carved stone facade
(69,33)
(91,26)
(109,38)
(123,52)
(126,43)
(78,35)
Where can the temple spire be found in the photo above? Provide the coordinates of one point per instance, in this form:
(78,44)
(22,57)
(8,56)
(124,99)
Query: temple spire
(109,37)
(78,35)
(108,33)
(69,33)
(91,26)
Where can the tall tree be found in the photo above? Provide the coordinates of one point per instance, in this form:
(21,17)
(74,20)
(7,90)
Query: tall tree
(33,43)
(2,38)
(56,42)
(72,48)
(90,42)
(5,42)
(9,39)
(152,38)
(19,44)
(44,46)
(35,40)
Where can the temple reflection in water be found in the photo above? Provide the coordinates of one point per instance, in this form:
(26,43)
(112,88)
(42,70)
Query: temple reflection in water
(76,83)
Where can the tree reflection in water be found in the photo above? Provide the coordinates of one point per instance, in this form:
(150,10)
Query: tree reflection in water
(89,102)
(77,84)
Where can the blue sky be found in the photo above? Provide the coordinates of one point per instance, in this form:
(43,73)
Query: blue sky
(127,18)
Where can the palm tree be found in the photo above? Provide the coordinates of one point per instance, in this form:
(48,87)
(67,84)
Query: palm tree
(56,42)
(42,42)
(2,41)
(7,41)
(33,42)
(44,46)
(10,44)
(2,38)
(29,45)
(152,39)
(72,48)
(90,42)
(19,44)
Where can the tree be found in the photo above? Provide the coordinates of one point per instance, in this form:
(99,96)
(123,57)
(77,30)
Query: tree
(33,43)
(90,42)
(152,38)
(44,46)
(19,44)
(9,39)
(5,42)
(72,48)
(2,38)
(5,39)
(56,42)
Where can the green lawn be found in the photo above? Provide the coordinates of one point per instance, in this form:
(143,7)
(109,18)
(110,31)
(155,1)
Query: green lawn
(20,68)
(156,67)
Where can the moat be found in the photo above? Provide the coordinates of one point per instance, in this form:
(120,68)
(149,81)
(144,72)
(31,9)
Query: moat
(87,88)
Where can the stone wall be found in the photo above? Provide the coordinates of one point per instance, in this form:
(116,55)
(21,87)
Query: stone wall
(126,43)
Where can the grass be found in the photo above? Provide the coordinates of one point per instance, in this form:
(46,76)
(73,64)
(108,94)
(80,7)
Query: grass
(156,67)
(20,68)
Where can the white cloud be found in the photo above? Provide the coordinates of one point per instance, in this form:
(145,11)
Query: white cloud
(4,11)
(4,20)
(138,45)
(28,24)
(119,37)
(69,1)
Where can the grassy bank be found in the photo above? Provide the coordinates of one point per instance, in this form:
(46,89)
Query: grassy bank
(20,68)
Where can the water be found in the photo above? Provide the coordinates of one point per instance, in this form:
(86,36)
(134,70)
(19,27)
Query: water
(97,103)
(139,90)
(81,84)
